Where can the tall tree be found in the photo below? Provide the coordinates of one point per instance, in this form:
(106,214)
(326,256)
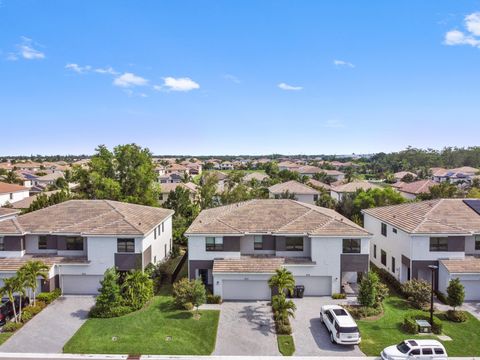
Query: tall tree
(208,190)
(33,270)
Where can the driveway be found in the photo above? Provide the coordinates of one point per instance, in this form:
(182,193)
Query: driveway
(52,328)
(246,328)
(311,336)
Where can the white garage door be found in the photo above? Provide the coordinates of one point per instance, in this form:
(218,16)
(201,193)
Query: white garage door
(246,290)
(315,285)
(80,284)
(472,289)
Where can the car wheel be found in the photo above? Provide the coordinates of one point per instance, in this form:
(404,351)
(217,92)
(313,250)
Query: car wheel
(321,319)
(332,339)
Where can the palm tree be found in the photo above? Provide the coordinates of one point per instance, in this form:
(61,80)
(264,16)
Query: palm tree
(282,280)
(33,270)
(12,178)
(10,287)
(283,308)
(22,285)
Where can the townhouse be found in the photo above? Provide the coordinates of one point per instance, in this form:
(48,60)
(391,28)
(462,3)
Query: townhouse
(10,193)
(165,190)
(413,189)
(339,191)
(299,191)
(80,239)
(461,174)
(408,238)
(235,249)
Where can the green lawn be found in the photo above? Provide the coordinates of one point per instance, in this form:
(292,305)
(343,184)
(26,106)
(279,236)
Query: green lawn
(157,329)
(4,337)
(286,346)
(378,334)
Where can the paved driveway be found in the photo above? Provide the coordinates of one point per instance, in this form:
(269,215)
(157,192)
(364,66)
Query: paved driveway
(246,328)
(52,328)
(311,336)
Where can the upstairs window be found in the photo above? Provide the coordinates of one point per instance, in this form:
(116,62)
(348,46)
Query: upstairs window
(315,197)
(393,264)
(213,243)
(375,251)
(125,245)
(74,243)
(294,243)
(383,255)
(42,242)
(351,246)
(438,244)
(258,242)
(477,242)
(384,229)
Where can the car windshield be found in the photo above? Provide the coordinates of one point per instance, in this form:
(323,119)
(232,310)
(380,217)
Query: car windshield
(403,348)
(349,329)
(340,312)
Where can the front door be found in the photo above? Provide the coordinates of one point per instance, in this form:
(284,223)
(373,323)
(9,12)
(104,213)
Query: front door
(203,274)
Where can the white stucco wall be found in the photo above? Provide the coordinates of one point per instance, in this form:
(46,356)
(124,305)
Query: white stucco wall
(162,244)
(197,250)
(470,246)
(13,197)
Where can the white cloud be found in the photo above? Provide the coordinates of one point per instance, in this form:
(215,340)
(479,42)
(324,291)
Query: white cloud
(471,37)
(232,78)
(334,124)
(26,50)
(287,87)
(342,63)
(107,70)
(77,68)
(178,84)
(129,80)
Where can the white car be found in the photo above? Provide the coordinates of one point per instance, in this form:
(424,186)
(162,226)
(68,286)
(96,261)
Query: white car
(340,324)
(415,349)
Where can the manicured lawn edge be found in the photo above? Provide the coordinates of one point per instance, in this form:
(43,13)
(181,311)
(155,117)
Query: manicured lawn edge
(286,345)
(5,336)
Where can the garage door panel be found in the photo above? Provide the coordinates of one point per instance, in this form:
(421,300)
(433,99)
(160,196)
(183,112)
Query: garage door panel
(80,284)
(246,290)
(315,285)
(472,289)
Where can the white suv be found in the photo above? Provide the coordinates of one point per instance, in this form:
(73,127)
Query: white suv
(340,324)
(415,349)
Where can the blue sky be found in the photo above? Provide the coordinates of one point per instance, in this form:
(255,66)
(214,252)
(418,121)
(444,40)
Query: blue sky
(239,77)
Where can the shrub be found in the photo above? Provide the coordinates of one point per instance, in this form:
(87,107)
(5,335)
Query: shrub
(367,291)
(388,278)
(189,291)
(283,329)
(456,316)
(442,297)
(339,296)
(26,316)
(410,326)
(455,293)
(360,312)
(417,292)
(188,306)
(214,299)
(49,297)
(109,312)
(34,309)
(382,292)
(11,327)
(137,289)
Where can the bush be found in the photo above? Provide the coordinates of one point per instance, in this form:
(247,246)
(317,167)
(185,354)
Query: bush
(109,312)
(442,297)
(339,296)
(189,291)
(283,329)
(456,316)
(11,327)
(455,293)
(49,297)
(410,326)
(367,290)
(26,316)
(388,278)
(34,310)
(361,312)
(188,306)
(417,292)
(214,299)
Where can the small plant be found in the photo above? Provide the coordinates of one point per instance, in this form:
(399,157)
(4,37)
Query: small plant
(214,299)
(456,316)
(189,292)
(49,297)
(455,293)
(188,306)
(11,327)
(26,316)
(283,329)
(283,281)
(417,292)
(339,296)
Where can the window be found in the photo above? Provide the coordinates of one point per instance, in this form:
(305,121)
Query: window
(438,244)
(125,245)
(383,256)
(427,351)
(393,264)
(214,244)
(294,244)
(258,242)
(375,251)
(74,243)
(439,351)
(2,243)
(351,246)
(155,233)
(315,197)
(163,229)
(11,196)
(394,230)
(415,352)
(277,196)
(384,229)
(477,242)
(42,242)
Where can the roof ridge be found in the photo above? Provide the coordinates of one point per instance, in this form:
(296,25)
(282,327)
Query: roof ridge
(231,227)
(295,219)
(122,215)
(426,214)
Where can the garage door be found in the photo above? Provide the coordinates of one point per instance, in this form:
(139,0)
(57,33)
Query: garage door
(80,284)
(246,290)
(472,289)
(315,285)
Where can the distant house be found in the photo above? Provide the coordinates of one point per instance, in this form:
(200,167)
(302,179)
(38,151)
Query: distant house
(288,165)
(226,165)
(25,203)
(165,190)
(398,176)
(258,176)
(461,174)
(49,179)
(301,192)
(10,193)
(171,178)
(338,192)
(319,185)
(411,190)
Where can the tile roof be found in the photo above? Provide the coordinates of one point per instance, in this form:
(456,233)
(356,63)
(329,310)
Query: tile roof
(417,187)
(440,216)
(88,217)
(167,187)
(10,188)
(468,265)
(353,186)
(256,176)
(293,187)
(8,211)
(401,174)
(13,264)
(465,170)
(318,184)
(275,216)
(257,264)
(25,203)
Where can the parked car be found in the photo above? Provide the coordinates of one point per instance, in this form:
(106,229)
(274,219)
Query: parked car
(340,324)
(6,308)
(416,349)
